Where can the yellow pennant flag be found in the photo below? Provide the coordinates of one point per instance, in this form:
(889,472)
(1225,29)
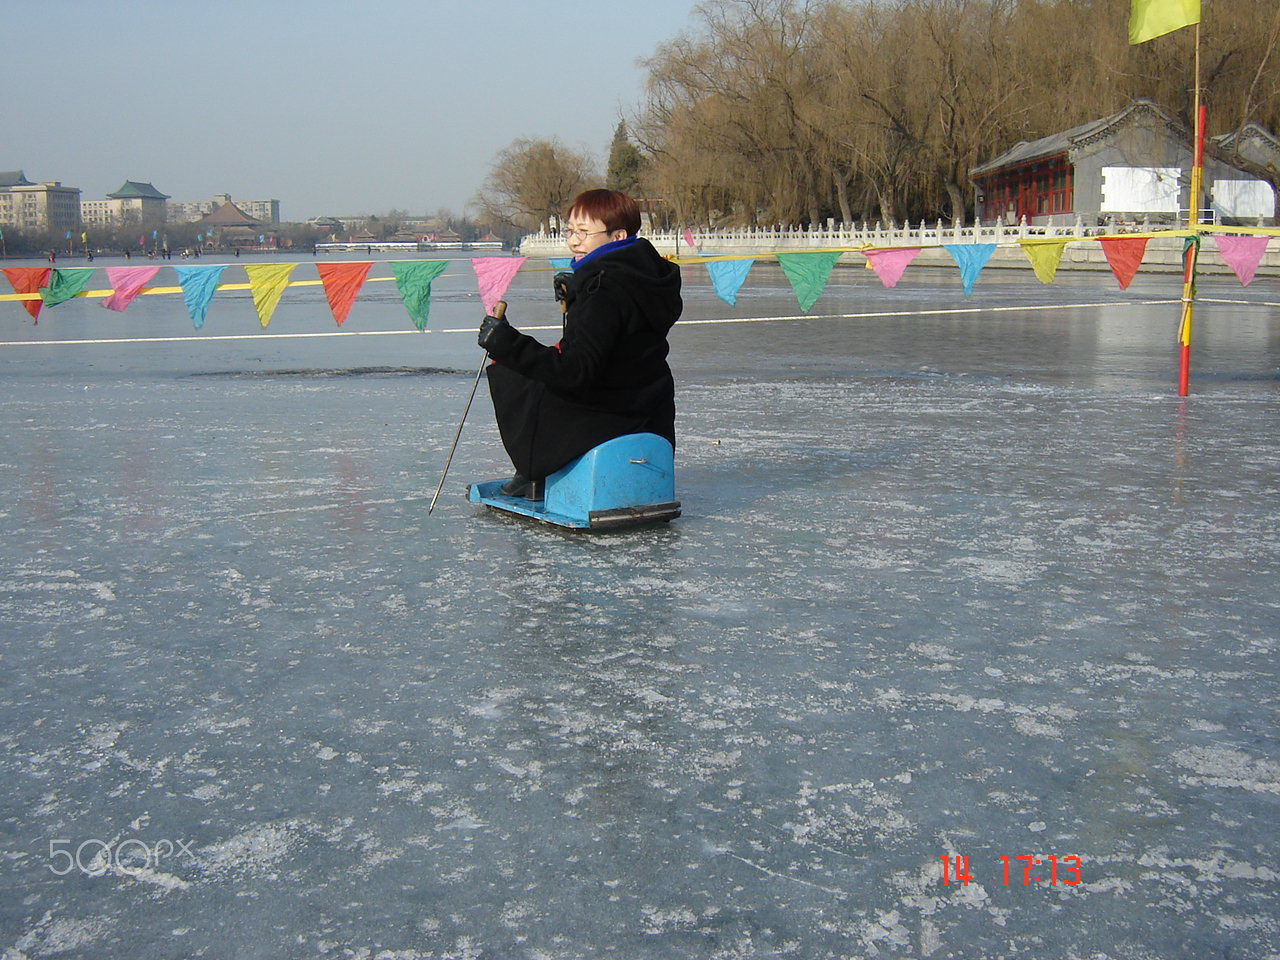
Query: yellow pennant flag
(1149,19)
(267,282)
(1045,255)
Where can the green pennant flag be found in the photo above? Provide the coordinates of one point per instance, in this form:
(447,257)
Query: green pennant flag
(65,284)
(808,273)
(413,280)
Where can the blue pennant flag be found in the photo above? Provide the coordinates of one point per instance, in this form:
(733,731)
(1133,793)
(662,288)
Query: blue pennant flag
(727,277)
(198,285)
(970,258)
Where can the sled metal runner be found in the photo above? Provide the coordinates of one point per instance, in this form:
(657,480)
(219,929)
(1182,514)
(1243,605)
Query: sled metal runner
(623,482)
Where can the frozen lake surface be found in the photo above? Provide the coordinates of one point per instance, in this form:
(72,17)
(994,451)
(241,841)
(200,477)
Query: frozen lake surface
(948,584)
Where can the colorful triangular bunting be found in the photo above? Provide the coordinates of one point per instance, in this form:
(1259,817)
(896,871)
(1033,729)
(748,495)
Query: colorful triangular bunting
(267,282)
(727,277)
(65,284)
(890,264)
(341,282)
(126,283)
(1124,254)
(413,280)
(198,286)
(808,273)
(970,258)
(1242,254)
(494,276)
(28,280)
(1045,255)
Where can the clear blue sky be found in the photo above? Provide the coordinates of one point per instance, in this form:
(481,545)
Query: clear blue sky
(330,107)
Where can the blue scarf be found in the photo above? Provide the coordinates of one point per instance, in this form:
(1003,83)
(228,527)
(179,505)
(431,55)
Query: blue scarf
(603,249)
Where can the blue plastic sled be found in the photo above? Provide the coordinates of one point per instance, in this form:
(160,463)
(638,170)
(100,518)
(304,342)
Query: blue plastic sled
(624,481)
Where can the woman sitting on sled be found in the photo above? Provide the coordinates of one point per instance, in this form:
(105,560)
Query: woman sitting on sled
(608,376)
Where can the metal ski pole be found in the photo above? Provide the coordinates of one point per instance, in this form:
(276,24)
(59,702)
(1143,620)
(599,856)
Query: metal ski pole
(499,309)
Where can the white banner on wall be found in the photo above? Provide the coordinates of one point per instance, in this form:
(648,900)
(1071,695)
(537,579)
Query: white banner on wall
(1140,189)
(1245,199)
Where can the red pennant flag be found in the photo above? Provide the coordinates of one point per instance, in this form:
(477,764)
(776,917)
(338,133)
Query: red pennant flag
(342,281)
(29,280)
(1124,254)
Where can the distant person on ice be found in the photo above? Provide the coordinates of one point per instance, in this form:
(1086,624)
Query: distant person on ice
(608,376)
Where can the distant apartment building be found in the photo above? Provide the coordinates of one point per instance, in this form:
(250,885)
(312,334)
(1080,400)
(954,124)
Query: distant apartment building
(266,212)
(47,206)
(134,202)
(188,211)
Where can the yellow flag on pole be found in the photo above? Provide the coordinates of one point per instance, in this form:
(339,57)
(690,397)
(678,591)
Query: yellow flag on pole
(1149,19)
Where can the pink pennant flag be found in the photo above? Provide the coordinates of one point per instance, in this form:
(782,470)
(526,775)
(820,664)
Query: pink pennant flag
(889,265)
(688,237)
(126,283)
(1241,254)
(494,276)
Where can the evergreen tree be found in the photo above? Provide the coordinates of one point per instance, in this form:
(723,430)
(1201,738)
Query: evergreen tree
(626,163)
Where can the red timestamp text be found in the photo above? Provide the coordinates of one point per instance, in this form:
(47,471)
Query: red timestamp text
(1026,870)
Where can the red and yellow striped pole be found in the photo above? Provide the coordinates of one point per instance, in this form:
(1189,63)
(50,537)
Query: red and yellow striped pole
(1192,250)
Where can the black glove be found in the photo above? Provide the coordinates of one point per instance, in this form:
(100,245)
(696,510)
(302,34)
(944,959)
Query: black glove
(489,330)
(560,282)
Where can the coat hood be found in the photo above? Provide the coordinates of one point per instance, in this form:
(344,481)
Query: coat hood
(639,271)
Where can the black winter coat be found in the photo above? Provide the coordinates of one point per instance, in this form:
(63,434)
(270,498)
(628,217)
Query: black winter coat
(607,377)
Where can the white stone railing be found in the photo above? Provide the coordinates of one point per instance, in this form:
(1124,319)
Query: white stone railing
(832,235)
(1161,252)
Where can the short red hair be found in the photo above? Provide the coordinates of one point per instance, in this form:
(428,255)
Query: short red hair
(613,208)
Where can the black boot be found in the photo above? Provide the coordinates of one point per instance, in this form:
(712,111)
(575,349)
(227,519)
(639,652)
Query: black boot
(522,486)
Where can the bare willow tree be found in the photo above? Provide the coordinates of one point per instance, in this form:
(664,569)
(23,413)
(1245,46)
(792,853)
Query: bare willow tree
(531,182)
(875,126)
(781,111)
(733,115)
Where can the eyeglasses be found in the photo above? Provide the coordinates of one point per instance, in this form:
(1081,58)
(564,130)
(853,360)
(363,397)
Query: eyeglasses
(569,234)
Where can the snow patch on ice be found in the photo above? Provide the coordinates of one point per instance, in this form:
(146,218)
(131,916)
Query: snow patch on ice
(1224,767)
(253,852)
(62,935)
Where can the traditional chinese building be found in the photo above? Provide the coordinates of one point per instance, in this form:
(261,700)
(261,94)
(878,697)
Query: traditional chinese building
(1133,164)
(133,202)
(230,225)
(266,212)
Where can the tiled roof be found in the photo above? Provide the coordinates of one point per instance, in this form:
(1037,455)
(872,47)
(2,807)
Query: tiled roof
(1057,143)
(1250,131)
(227,215)
(14,178)
(132,189)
